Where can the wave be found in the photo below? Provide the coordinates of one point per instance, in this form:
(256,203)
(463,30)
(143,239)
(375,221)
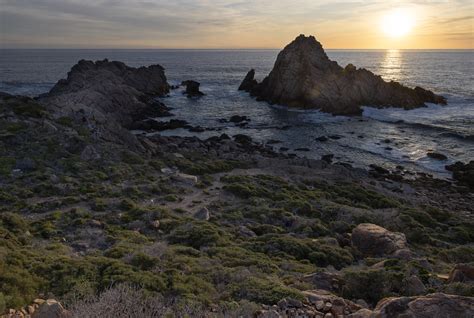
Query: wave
(443,131)
(454,121)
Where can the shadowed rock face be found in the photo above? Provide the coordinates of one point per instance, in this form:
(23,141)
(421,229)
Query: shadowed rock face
(433,305)
(108,97)
(304,76)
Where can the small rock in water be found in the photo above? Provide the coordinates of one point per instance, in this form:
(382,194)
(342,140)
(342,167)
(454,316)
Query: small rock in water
(249,82)
(192,88)
(243,139)
(198,129)
(238,119)
(328,158)
(322,138)
(273,141)
(463,173)
(379,170)
(437,156)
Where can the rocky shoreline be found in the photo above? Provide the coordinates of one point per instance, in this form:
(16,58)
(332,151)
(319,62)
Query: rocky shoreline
(224,226)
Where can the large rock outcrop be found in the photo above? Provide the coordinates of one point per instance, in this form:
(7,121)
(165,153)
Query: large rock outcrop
(108,97)
(374,240)
(463,273)
(463,173)
(434,305)
(304,76)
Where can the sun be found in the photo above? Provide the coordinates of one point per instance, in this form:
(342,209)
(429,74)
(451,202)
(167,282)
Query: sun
(398,23)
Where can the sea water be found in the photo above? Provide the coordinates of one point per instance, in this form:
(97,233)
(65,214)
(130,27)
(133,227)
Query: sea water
(362,140)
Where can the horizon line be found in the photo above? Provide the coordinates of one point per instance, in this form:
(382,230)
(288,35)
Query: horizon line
(229,49)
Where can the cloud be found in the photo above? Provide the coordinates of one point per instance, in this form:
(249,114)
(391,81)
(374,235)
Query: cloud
(193,23)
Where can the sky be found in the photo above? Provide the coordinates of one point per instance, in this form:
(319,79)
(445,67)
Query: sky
(206,24)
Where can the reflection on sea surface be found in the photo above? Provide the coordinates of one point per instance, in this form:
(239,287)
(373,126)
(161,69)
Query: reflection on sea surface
(391,66)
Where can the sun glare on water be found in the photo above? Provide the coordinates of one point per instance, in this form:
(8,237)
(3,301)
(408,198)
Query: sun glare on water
(398,23)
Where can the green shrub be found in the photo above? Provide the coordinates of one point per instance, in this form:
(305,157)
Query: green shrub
(302,249)
(132,158)
(264,291)
(143,261)
(28,108)
(6,165)
(45,228)
(3,303)
(65,121)
(171,198)
(127,205)
(359,196)
(18,285)
(461,289)
(13,222)
(15,127)
(202,166)
(459,254)
(99,205)
(371,285)
(195,234)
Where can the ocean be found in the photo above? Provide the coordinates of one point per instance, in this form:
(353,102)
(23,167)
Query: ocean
(386,137)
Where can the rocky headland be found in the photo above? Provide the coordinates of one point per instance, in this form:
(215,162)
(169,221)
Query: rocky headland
(114,223)
(303,76)
(108,98)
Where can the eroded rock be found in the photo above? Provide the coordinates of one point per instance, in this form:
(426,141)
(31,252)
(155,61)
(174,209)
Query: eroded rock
(462,273)
(374,240)
(434,305)
(192,88)
(50,309)
(304,77)
(107,98)
(463,173)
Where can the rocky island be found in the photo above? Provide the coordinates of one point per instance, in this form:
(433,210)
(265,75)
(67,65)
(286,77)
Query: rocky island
(304,77)
(97,220)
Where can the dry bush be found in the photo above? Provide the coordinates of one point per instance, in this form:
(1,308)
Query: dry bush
(124,301)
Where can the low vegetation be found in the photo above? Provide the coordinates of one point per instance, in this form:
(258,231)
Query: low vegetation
(76,229)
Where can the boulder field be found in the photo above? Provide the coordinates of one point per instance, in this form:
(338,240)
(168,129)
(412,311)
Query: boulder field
(303,76)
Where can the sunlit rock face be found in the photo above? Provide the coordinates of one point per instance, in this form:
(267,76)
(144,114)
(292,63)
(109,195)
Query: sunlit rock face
(304,76)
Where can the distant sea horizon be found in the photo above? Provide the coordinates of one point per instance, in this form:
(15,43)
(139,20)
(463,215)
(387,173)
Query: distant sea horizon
(231,49)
